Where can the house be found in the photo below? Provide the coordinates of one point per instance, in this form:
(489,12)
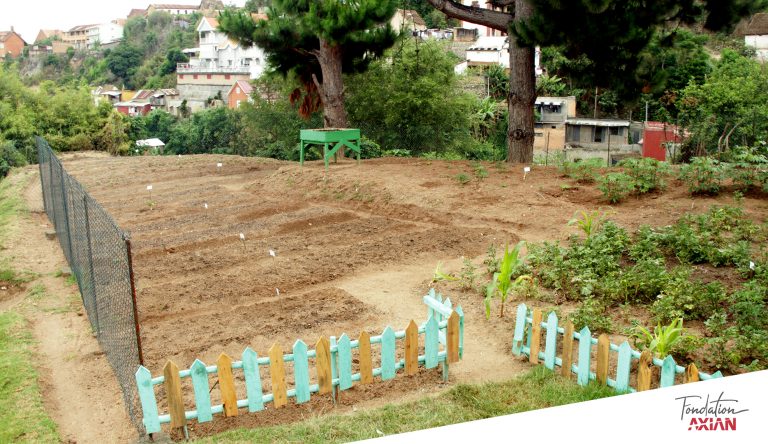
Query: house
(658,138)
(11,44)
(482,30)
(47,35)
(161,98)
(78,36)
(549,128)
(494,50)
(216,64)
(407,20)
(40,50)
(137,13)
(108,93)
(173,9)
(756,34)
(132,108)
(240,92)
(606,139)
(60,47)
(104,34)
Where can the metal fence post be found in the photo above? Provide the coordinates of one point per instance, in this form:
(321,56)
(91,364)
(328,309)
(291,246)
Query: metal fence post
(42,179)
(52,214)
(90,263)
(64,193)
(133,298)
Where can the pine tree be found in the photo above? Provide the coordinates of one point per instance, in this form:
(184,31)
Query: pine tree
(318,41)
(610,34)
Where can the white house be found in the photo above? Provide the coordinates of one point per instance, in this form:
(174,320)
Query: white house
(219,54)
(104,34)
(494,50)
(756,35)
(482,30)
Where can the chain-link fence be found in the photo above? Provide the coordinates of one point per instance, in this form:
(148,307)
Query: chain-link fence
(98,252)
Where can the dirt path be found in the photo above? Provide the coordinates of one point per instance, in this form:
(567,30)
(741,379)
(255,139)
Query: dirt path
(77,383)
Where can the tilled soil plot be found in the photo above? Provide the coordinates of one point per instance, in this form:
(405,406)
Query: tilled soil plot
(354,249)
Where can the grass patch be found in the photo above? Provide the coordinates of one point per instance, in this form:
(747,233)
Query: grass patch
(22,416)
(37,292)
(11,203)
(537,389)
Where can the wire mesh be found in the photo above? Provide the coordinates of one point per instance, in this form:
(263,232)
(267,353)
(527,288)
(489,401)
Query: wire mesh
(96,250)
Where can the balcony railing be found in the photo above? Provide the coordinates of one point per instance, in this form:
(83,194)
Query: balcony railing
(186,68)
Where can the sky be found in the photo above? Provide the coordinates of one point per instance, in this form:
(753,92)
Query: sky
(29,16)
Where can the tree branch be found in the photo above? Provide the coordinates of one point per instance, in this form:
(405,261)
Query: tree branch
(481,16)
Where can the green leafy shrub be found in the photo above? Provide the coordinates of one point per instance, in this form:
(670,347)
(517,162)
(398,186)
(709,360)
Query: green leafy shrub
(748,305)
(703,175)
(688,299)
(647,173)
(368,148)
(745,176)
(647,244)
(583,171)
(616,186)
(591,314)
(10,157)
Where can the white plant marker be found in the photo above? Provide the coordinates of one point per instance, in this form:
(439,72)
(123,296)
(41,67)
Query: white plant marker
(242,239)
(277,290)
(149,188)
(272,253)
(526,170)
(751,265)
(205,205)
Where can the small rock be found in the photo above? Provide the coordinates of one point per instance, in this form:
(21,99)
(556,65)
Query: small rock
(50,235)
(66,272)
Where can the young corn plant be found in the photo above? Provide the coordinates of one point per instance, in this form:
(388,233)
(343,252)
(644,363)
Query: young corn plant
(588,223)
(439,275)
(501,284)
(662,340)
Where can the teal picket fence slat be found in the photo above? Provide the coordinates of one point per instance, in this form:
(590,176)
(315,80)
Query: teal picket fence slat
(252,380)
(301,371)
(202,393)
(431,343)
(388,354)
(460,312)
(148,402)
(551,344)
(668,372)
(585,355)
(517,339)
(623,367)
(345,362)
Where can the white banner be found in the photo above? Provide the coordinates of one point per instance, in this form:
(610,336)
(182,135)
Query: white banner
(724,410)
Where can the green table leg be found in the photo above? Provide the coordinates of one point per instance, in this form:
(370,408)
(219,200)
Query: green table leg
(359,149)
(325,156)
(301,154)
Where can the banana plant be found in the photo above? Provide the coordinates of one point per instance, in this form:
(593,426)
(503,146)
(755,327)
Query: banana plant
(501,284)
(662,340)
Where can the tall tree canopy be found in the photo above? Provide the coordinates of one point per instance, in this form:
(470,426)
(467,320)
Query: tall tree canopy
(610,35)
(318,41)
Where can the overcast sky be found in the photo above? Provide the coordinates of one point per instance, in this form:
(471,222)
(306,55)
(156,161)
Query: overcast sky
(29,16)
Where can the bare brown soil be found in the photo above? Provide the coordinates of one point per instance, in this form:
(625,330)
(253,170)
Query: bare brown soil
(354,249)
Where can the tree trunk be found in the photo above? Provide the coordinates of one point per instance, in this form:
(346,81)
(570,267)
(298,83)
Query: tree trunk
(521,98)
(332,88)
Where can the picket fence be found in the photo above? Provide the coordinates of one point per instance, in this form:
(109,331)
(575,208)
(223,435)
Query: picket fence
(529,327)
(443,344)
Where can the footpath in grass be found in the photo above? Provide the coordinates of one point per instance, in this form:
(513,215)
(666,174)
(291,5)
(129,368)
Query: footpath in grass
(537,389)
(22,416)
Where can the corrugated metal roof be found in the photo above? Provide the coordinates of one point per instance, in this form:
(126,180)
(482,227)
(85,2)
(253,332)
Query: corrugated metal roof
(597,122)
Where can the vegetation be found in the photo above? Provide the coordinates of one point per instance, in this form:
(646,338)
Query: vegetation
(656,268)
(616,186)
(502,283)
(539,388)
(662,340)
(22,415)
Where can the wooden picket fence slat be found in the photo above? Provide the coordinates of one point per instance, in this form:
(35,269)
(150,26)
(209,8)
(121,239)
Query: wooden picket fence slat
(443,343)
(527,341)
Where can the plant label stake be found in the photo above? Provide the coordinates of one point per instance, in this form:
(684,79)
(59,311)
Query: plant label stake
(149,188)
(526,170)
(218,166)
(751,265)
(242,239)
(272,253)
(205,205)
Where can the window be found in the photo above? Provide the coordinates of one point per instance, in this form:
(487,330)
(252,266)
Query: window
(226,76)
(194,76)
(181,76)
(598,133)
(615,131)
(207,76)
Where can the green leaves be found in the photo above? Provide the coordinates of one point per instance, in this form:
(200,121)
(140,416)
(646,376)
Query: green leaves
(663,338)
(501,284)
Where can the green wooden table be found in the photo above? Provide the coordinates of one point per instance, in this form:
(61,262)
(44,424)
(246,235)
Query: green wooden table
(327,137)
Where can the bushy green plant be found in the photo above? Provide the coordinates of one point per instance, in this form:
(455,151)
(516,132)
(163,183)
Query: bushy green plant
(491,261)
(647,173)
(582,171)
(663,338)
(468,276)
(688,299)
(703,175)
(10,157)
(462,178)
(616,186)
(748,305)
(591,313)
(647,244)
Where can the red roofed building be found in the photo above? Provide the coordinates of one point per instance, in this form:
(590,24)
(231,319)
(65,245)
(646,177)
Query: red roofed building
(240,92)
(11,43)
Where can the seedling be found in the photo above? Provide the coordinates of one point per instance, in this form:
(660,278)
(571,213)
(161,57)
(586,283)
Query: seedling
(663,338)
(502,284)
(589,222)
(439,275)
